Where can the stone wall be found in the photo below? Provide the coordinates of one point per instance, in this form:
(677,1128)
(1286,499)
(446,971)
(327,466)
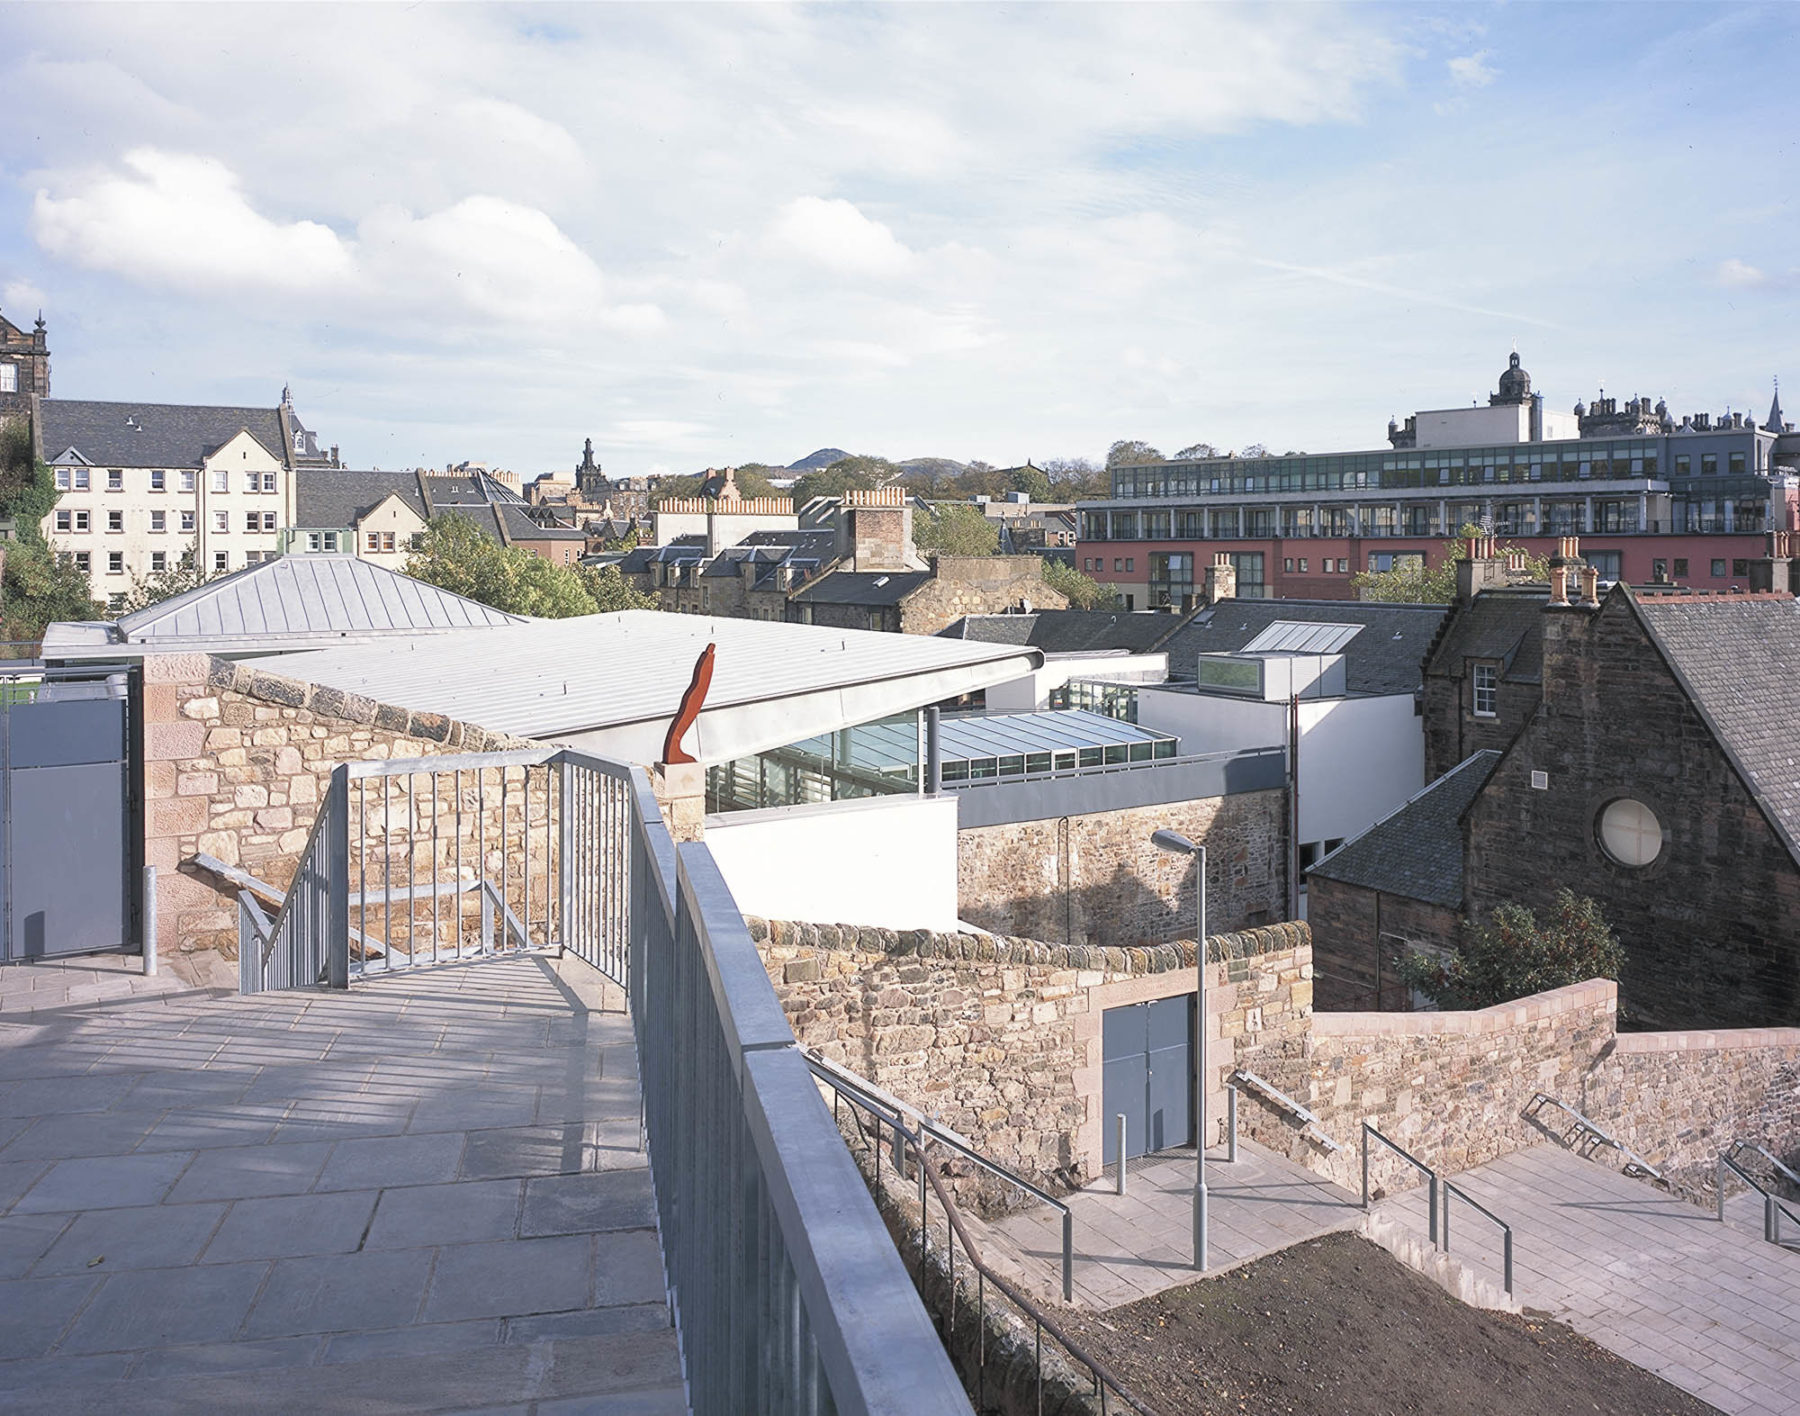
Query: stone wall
(1000,1038)
(1708,928)
(1453,732)
(1357,935)
(976,585)
(1096,879)
(235,762)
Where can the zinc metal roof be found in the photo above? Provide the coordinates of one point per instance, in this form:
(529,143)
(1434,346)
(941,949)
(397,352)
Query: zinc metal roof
(561,677)
(1299,637)
(307,595)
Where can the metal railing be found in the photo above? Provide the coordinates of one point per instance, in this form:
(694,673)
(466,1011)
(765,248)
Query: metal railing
(1270,1092)
(1506,1234)
(1431,1176)
(786,1291)
(1773,1206)
(1584,1136)
(861,1091)
(891,1116)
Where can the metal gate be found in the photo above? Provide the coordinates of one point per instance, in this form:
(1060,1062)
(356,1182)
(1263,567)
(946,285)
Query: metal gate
(439,859)
(65,814)
(1147,1076)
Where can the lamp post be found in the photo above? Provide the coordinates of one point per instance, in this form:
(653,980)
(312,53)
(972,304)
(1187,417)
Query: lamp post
(1177,844)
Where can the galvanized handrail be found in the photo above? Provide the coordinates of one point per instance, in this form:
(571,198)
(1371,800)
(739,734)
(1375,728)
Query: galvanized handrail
(1774,1160)
(1506,1233)
(1271,1092)
(872,1098)
(1431,1175)
(1592,1134)
(1773,1205)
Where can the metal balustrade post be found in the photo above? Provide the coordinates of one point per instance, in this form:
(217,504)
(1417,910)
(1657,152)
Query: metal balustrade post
(149,926)
(1365,1166)
(336,846)
(1432,1182)
(1231,1103)
(1068,1229)
(1122,1124)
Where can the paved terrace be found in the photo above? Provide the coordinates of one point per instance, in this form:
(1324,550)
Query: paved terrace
(1707,1306)
(1132,1246)
(421,1195)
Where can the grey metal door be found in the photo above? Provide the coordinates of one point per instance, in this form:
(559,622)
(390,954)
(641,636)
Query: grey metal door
(64,819)
(1146,1075)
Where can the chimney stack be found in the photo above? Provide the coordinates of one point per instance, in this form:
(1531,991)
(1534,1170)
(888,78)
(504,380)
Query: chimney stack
(1563,567)
(1221,579)
(1478,568)
(1773,572)
(1590,585)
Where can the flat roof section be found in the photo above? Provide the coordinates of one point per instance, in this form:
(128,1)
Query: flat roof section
(887,747)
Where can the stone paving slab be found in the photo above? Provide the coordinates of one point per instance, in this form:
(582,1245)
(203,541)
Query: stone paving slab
(1131,1246)
(422,1195)
(1706,1306)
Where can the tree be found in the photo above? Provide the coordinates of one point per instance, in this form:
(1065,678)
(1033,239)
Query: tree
(1414,582)
(1125,453)
(160,585)
(859,473)
(1082,592)
(1255,450)
(1076,478)
(38,585)
(752,481)
(1513,955)
(1196,450)
(957,529)
(457,557)
(1030,480)
(610,591)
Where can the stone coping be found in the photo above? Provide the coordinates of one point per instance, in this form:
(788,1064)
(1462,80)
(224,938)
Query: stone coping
(1718,1040)
(1005,949)
(1576,997)
(252,681)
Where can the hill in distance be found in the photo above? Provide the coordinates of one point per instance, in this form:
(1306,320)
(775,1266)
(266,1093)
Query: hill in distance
(813,461)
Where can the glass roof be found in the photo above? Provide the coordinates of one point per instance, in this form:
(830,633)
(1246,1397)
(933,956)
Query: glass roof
(1294,637)
(894,743)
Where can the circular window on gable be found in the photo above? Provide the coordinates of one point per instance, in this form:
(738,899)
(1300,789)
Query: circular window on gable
(1630,832)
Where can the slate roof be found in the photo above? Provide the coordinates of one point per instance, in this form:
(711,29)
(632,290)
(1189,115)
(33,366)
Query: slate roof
(1738,658)
(1070,631)
(1386,657)
(520,526)
(327,497)
(1507,625)
(1416,851)
(862,587)
(157,435)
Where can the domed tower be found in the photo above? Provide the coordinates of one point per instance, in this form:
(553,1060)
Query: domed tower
(1515,385)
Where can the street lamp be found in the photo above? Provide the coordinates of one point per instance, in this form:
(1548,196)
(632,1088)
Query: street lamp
(1177,844)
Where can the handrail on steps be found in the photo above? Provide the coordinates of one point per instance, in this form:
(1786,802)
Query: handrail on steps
(1271,1092)
(1773,1205)
(1593,1135)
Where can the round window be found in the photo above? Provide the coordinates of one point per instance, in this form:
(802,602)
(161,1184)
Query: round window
(1630,832)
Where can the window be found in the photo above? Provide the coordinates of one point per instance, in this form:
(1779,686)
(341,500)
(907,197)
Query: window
(253,481)
(83,562)
(187,481)
(387,540)
(222,521)
(1130,563)
(115,479)
(81,521)
(158,480)
(1737,464)
(115,562)
(9,378)
(115,521)
(221,480)
(1118,565)
(116,600)
(1287,565)
(331,540)
(81,479)
(1709,464)
(65,521)
(253,521)
(253,557)
(1630,833)
(374,540)
(1303,565)
(268,481)
(1740,568)
(187,522)
(219,562)
(1718,570)
(62,479)
(1487,691)
(1659,571)
(268,521)
(1395,560)
(416,542)
(1681,566)
(159,562)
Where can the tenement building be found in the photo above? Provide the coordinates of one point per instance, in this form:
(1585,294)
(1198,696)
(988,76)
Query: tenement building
(1656,500)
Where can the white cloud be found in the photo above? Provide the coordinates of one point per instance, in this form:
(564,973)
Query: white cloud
(183,221)
(22,295)
(833,233)
(1473,70)
(1740,275)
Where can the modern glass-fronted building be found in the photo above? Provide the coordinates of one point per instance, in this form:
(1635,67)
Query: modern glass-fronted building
(1685,503)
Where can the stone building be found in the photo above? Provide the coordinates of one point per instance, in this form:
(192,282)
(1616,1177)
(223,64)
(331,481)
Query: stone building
(24,367)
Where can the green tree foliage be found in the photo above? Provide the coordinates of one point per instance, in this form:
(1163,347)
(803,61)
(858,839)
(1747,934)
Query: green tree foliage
(1196,450)
(457,557)
(857,473)
(1416,583)
(752,481)
(159,585)
(1031,480)
(1083,592)
(1076,479)
(38,586)
(1126,452)
(1514,955)
(956,529)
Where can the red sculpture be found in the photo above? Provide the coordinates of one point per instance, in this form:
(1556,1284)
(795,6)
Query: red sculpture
(691,702)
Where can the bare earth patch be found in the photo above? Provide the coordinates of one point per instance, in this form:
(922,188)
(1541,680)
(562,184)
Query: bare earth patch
(1337,1327)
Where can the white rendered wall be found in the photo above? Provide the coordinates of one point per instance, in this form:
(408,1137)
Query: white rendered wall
(1473,427)
(888,861)
(1031,694)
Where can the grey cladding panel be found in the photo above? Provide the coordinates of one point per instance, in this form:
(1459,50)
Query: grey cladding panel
(68,841)
(57,734)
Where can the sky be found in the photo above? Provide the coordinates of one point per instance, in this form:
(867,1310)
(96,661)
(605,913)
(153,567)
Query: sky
(734,233)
